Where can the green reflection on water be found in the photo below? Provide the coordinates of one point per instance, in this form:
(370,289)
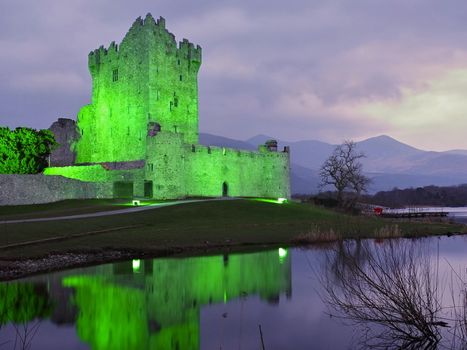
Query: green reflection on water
(161,310)
(23,302)
(157,305)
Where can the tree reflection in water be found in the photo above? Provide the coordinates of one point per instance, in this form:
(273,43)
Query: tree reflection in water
(23,305)
(392,293)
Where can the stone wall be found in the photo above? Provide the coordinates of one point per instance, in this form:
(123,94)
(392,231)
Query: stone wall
(178,169)
(244,173)
(35,189)
(165,165)
(103,173)
(66,134)
(97,173)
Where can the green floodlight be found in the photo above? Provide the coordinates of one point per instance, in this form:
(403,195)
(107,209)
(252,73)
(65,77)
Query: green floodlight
(136,264)
(282,255)
(136,202)
(270,200)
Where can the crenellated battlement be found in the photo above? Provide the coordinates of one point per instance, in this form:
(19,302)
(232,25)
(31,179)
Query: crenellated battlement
(156,32)
(188,51)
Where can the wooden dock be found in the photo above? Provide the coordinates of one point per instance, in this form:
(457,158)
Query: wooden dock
(414,214)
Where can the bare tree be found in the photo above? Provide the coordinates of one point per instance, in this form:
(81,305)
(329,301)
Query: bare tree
(25,334)
(392,295)
(344,171)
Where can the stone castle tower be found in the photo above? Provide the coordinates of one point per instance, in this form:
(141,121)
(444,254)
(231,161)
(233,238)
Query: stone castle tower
(140,132)
(146,81)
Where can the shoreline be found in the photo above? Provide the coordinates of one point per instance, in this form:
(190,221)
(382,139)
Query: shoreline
(16,269)
(207,227)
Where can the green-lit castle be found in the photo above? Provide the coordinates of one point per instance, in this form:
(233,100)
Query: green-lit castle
(139,135)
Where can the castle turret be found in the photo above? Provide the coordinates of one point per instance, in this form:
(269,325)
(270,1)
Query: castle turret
(147,78)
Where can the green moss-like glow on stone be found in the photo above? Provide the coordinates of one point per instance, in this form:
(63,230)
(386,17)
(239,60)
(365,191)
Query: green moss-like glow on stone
(172,292)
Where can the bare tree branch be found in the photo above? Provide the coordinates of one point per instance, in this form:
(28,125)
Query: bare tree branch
(344,171)
(389,292)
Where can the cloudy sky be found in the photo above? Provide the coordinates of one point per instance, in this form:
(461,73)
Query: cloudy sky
(297,69)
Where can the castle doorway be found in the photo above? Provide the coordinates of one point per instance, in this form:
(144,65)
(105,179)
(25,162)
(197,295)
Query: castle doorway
(148,192)
(225,190)
(123,189)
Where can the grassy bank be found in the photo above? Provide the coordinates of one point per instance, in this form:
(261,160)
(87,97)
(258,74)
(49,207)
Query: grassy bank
(194,226)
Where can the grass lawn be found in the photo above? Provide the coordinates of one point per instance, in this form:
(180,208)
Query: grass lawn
(63,208)
(194,225)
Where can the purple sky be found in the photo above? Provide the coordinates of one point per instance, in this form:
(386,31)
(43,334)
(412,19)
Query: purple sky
(296,69)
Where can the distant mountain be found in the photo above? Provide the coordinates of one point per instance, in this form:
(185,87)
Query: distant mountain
(386,182)
(384,154)
(389,162)
(259,139)
(303,180)
(220,141)
(384,146)
(457,151)
(387,155)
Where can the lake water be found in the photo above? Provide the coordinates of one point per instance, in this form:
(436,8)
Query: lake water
(317,298)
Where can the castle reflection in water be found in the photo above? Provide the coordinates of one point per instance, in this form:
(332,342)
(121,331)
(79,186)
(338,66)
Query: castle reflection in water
(145,304)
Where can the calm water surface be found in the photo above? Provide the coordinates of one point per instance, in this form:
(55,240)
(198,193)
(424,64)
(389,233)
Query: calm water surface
(301,298)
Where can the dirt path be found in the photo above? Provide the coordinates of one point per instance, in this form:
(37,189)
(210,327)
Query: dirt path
(112,212)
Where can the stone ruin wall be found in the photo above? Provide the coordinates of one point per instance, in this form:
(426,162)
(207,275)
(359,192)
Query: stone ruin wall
(101,173)
(66,134)
(36,189)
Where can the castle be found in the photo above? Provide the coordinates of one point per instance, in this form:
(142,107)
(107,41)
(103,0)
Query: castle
(140,132)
